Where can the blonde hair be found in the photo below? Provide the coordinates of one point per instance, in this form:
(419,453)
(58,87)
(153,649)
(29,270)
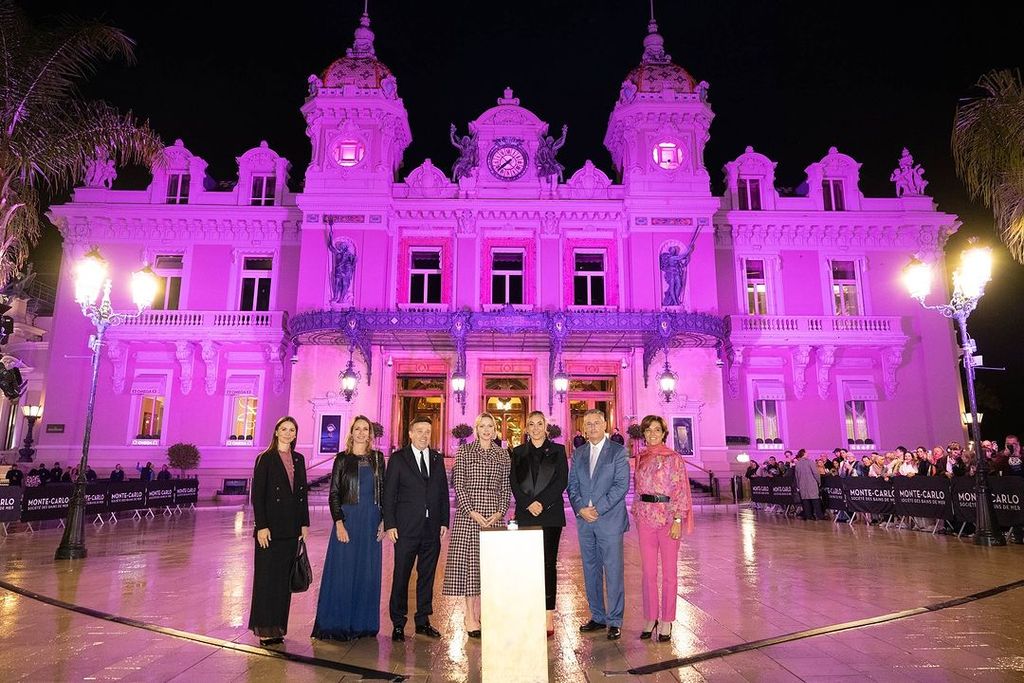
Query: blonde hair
(479,418)
(349,442)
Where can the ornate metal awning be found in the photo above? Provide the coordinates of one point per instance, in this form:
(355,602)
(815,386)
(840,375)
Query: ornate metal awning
(508,329)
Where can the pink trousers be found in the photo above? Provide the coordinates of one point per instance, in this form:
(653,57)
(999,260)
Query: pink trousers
(655,542)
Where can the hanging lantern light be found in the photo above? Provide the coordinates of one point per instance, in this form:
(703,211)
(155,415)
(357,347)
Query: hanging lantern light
(667,381)
(349,379)
(561,383)
(459,388)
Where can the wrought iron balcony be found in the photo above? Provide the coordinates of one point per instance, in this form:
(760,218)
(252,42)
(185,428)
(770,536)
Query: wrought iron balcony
(751,330)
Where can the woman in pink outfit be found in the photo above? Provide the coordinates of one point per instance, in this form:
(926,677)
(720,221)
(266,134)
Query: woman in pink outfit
(662,507)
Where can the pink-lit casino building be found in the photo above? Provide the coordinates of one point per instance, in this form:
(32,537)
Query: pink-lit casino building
(782,317)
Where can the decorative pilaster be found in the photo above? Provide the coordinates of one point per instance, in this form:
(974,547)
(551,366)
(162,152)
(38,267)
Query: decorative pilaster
(826,359)
(211,359)
(117,352)
(892,358)
(184,353)
(735,363)
(801,358)
(275,357)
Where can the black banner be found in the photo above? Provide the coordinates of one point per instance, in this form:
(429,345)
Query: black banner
(784,491)
(923,497)
(869,494)
(46,502)
(186,491)
(160,494)
(128,495)
(832,497)
(761,490)
(1007,493)
(96,497)
(10,503)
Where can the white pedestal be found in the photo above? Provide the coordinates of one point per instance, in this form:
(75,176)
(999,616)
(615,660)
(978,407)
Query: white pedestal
(512,615)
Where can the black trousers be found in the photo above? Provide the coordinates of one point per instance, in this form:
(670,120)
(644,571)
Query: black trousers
(423,553)
(552,535)
(271,587)
(812,508)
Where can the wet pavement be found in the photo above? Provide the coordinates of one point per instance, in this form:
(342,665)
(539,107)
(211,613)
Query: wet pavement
(745,576)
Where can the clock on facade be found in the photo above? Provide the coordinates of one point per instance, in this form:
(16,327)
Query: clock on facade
(507,160)
(668,155)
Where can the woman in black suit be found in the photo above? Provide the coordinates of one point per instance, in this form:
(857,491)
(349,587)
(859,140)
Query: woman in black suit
(282,516)
(539,476)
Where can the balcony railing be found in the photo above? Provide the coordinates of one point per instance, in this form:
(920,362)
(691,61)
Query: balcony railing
(752,329)
(237,325)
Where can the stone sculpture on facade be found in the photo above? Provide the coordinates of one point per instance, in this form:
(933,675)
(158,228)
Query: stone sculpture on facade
(627,93)
(100,171)
(674,262)
(467,161)
(547,165)
(909,177)
(343,268)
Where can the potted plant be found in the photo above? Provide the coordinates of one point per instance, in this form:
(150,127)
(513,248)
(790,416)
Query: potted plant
(554,432)
(378,430)
(462,432)
(182,457)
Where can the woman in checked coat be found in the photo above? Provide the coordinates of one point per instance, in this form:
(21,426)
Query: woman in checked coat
(482,491)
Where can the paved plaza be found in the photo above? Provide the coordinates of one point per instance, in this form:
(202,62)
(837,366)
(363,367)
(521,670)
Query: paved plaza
(746,575)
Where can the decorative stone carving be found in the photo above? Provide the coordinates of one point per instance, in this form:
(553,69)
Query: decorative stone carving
(892,357)
(826,359)
(465,220)
(735,363)
(314,84)
(588,183)
(549,224)
(343,267)
(427,180)
(117,353)
(673,262)
(801,358)
(547,165)
(100,172)
(275,356)
(184,353)
(389,86)
(627,93)
(909,177)
(211,359)
(702,90)
(468,159)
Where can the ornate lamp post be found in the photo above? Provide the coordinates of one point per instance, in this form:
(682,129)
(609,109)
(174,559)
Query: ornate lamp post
(561,383)
(91,280)
(459,388)
(349,379)
(969,282)
(667,381)
(31,413)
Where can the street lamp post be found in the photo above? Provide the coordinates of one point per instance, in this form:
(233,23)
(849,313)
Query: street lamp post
(32,413)
(92,280)
(969,282)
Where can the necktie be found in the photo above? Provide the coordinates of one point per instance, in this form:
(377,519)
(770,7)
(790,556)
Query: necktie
(423,465)
(594,455)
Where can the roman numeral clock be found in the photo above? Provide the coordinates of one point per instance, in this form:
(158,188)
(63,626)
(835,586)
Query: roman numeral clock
(508,159)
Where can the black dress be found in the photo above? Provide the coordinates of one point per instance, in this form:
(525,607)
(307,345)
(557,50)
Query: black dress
(282,507)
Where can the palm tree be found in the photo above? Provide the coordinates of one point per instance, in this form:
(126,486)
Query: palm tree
(48,131)
(988,149)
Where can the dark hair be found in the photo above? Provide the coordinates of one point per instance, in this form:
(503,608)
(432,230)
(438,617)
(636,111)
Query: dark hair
(420,418)
(837,451)
(651,419)
(902,449)
(272,448)
(801,453)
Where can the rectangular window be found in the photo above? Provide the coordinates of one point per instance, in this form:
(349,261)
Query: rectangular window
(168,269)
(844,288)
(256,280)
(243,419)
(757,287)
(177,188)
(766,424)
(588,279)
(749,190)
(507,277)
(151,417)
(857,431)
(262,190)
(425,277)
(832,192)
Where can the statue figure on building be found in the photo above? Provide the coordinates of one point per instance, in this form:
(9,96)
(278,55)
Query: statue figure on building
(389,86)
(702,90)
(100,171)
(547,165)
(343,267)
(315,84)
(467,161)
(909,177)
(627,93)
(674,263)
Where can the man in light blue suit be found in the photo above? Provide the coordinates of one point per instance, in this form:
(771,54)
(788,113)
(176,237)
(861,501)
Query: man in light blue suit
(598,481)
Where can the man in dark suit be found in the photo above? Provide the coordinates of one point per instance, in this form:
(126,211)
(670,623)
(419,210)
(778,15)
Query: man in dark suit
(416,517)
(598,481)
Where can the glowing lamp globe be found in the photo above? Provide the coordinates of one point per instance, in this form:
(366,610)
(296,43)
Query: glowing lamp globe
(974,272)
(144,288)
(917,278)
(90,277)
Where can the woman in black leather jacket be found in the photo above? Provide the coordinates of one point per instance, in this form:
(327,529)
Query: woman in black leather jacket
(349,602)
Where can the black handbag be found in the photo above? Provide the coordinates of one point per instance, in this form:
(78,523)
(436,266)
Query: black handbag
(302,573)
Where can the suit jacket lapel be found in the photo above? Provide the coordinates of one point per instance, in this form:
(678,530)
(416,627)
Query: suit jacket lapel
(544,473)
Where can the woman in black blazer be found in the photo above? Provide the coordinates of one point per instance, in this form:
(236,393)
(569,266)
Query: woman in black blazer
(539,476)
(282,515)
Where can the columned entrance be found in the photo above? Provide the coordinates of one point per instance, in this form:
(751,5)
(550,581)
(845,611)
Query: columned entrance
(507,398)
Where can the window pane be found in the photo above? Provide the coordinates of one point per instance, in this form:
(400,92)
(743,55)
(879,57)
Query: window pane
(160,295)
(434,288)
(186,179)
(826,194)
(755,195)
(515,289)
(244,417)
(837,195)
(173,292)
(263,294)
(593,263)
(741,192)
(416,289)
(844,270)
(168,262)
(507,261)
(426,260)
(498,289)
(597,291)
(579,291)
(248,292)
(258,263)
(755,269)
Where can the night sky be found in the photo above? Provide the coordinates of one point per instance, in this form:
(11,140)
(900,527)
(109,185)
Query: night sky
(789,78)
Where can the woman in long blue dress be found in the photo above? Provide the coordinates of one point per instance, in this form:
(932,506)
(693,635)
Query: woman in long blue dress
(349,603)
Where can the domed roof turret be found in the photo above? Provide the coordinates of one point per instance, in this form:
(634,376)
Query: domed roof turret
(656,72)
(359,67)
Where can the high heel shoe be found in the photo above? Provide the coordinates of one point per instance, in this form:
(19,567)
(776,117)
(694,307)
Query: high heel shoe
(646,635)
(665,637)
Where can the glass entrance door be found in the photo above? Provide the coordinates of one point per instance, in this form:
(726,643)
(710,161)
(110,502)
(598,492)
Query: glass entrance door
(507,398)
(589,393)
(421,396)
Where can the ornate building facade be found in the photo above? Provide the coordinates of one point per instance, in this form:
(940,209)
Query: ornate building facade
(781,318)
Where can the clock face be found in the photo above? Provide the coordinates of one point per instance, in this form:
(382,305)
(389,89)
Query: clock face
(507,162)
